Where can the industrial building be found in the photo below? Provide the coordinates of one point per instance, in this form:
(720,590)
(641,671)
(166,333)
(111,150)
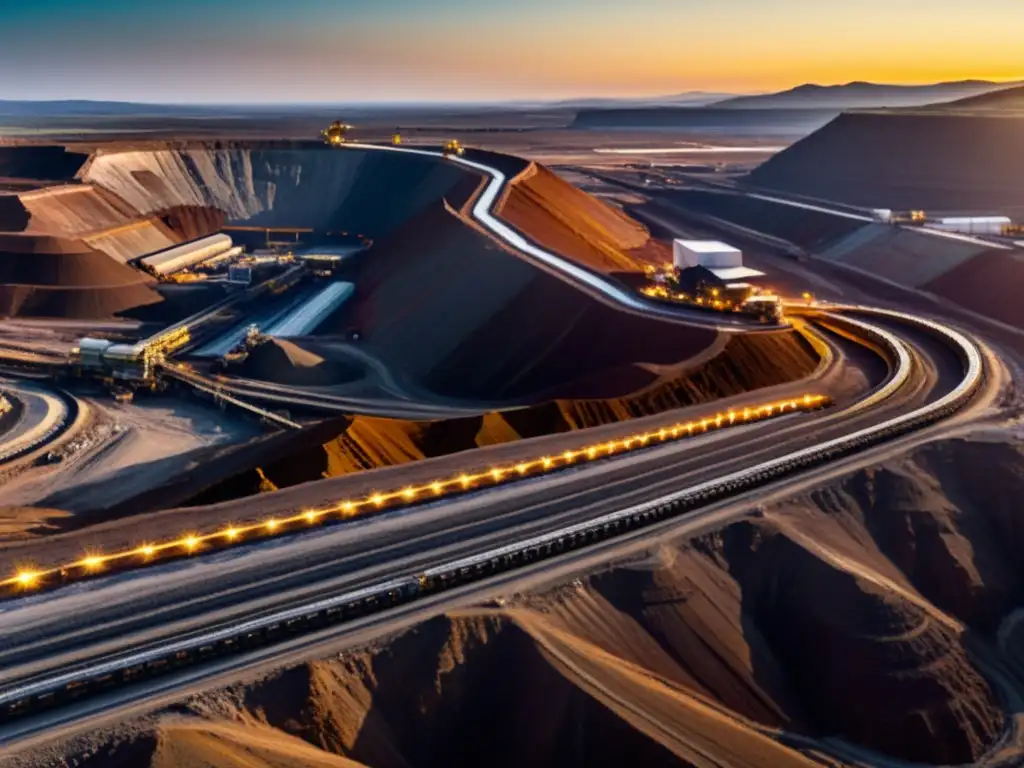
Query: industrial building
(179,257)
(973,225)
(120,361)
(722,261)
(305,318)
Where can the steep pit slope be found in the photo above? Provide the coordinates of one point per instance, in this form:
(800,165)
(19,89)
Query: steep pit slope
(443,304)
(568,221)
(907,160)
(60,277)
(278,184)
(98,218)
(190,222)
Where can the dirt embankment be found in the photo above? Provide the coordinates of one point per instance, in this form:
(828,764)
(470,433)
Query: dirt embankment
(61,277)
(747,363)
(285,362)
(568,221)
(907,160)
(858,613)
(441,303)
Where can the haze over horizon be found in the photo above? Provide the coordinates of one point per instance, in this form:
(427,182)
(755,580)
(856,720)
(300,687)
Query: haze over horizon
(232,51)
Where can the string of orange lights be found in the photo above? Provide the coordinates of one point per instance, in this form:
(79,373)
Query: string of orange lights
(91,563)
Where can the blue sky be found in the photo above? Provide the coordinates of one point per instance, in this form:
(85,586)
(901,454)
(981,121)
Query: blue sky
(387,50)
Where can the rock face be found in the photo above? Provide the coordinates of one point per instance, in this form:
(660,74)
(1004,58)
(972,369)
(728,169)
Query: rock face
(863,660)
(279,185)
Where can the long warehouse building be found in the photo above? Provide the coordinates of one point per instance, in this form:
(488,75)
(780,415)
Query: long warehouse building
(180,257)
(305,319)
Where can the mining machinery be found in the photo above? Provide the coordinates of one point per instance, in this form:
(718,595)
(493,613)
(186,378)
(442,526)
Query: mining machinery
(334,134)
(453,148)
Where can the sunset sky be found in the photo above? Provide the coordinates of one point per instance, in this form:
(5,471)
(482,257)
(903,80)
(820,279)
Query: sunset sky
(482,50)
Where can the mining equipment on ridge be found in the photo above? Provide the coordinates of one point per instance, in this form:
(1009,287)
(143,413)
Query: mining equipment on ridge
(453,148)
(334,134)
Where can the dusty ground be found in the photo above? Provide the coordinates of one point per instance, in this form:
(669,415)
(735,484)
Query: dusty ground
(874,619)
(122,453)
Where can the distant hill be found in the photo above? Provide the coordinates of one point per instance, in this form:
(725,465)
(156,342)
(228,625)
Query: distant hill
(82,108)
(689,99)
(787,123)
(1005,100)
(864,95)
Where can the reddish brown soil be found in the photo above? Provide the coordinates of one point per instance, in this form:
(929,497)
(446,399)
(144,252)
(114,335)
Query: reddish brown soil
(59,277)
(746,364)
(60,262)
(73,210)
(190,222)
(568,221)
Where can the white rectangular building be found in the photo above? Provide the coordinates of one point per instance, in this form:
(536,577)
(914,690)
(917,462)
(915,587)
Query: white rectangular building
(179,257)
(710,254)
(973,225)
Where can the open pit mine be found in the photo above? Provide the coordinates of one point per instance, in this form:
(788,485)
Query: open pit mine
(388,454)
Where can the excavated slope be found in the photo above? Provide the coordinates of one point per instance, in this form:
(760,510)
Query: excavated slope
(279,185)
(807,229)
(89,213)
(568,221)
(444,304)
(60,277)
(907,160)
(746,364)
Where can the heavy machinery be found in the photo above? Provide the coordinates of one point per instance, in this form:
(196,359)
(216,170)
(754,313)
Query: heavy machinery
(453,148)
(334,134)
(396,138)
(909,217)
